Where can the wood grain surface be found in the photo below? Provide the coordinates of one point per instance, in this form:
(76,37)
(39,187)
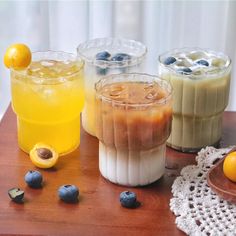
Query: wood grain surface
(98,211)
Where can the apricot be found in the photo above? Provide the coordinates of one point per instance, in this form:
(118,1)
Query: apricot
(17,56)
(229,166)
(43,156)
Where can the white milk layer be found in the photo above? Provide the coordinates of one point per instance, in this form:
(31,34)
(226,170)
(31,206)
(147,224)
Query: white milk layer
(130,167)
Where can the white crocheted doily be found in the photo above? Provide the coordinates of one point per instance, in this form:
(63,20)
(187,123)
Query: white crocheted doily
(198,210)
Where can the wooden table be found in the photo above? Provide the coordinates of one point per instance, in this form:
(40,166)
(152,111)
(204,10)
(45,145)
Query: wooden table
(98,211)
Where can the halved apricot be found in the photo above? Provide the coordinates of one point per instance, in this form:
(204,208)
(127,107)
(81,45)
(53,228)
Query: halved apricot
(43,156)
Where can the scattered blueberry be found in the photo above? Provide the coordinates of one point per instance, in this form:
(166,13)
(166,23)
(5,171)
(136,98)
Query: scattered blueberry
(128,199)
(16,194)
(103,56)
(68,193)
(34,179)
(185,70)
(203,62)
(121,57)
(169,60)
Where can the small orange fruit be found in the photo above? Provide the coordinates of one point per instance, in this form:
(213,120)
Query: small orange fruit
(17,56)
(229,166)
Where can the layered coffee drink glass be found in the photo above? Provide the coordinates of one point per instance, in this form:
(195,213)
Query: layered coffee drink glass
(134,113)
(201,81)
(104,56)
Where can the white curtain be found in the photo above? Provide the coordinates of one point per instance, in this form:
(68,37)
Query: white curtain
(161,25)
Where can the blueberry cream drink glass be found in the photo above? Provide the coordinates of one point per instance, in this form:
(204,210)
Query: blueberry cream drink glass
(201,81)
(105,56)
(134,113)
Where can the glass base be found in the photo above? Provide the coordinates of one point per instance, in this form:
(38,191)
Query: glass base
(190,134)
(132,167)
(191,150)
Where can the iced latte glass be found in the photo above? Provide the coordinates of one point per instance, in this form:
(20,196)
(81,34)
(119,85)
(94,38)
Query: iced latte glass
(48,98)
(134,115)
(201,81)
(102,57)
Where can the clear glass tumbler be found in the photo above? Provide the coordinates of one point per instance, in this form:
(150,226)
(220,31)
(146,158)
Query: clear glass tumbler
(102,57)
(201,80)
(134,113)
(48,98)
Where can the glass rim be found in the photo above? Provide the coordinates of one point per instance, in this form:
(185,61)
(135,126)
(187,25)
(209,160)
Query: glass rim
(155,78)
(47,80)
(210,74)
(117,64)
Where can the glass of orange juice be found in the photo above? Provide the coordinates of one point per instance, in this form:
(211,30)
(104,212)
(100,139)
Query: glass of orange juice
(48,97)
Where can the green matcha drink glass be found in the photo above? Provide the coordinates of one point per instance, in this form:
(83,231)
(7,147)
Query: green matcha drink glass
(201,81)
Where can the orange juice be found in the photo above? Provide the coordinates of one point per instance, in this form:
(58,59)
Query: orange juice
(47,98)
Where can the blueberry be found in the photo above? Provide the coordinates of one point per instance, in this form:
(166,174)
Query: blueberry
(103,56)
(203,62)
(169,60)
(185,71)
(128,199)
(101,71)
(16,194)
(34,179)
(121,57)
(68,193)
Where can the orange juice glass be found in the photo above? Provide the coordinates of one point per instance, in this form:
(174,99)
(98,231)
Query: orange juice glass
(47,98)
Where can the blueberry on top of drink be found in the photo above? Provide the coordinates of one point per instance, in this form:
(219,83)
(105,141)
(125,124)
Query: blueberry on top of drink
(169,60)
(202,62)
(104,56)
(185,70)
(120,57)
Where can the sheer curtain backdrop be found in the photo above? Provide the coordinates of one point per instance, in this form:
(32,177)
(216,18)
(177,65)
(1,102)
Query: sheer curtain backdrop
(161,25)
